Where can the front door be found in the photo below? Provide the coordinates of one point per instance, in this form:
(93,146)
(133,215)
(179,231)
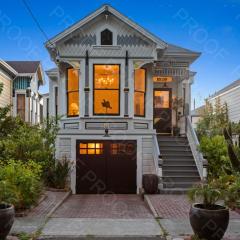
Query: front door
(106,167)
(162,110)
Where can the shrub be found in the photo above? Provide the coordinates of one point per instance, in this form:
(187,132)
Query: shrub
(215,149)
(58,174)
(20,183)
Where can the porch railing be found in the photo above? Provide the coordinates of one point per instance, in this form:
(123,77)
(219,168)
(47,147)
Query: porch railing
(157,157)
(201,162)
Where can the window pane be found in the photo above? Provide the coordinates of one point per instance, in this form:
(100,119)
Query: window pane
(139,105)
(106,76)
(106,37)
(161,99)
(106,102)
(73,80)
(139,79)
(73,103)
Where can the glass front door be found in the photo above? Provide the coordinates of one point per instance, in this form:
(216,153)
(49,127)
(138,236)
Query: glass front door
(162,111)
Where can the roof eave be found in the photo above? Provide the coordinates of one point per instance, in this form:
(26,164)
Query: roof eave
(7,67)
(52,42)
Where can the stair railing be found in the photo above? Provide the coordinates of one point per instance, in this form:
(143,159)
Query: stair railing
(201,162)
(157,157)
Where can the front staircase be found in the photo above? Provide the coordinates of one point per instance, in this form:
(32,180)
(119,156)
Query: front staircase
(179,169)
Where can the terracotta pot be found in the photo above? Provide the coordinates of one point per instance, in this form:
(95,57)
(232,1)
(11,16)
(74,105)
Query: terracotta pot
(150,183)
(209,224)
(6,219)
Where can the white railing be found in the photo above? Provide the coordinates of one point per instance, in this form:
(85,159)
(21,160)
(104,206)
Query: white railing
(194,145)
(157,156)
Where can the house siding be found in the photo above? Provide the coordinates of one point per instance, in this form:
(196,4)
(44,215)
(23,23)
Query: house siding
(64,148)
(5,97)
(147,156)
(232,98)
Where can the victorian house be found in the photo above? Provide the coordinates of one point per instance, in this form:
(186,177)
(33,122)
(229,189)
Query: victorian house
(125,96)
(21,81)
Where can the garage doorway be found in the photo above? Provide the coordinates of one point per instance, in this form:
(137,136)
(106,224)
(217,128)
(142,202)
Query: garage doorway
(106,167)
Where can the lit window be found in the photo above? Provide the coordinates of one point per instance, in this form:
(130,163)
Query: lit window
(106,37)
(139,92)
(106,89)
(161,99)
(91,148)
(122,148)
(72,92)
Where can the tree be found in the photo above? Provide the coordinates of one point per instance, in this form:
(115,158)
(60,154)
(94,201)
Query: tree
(214,119)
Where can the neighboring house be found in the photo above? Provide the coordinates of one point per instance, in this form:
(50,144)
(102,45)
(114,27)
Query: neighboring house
(196,115)
(114,85)
(21,89)
(229,95)
(7,73)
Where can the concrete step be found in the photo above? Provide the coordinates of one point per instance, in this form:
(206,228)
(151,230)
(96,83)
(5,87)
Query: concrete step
(179,167)
(174,191)
(175,150)
(174,155)
(172,139)
(186,185)
(179,178)
(173,144)
(182,173)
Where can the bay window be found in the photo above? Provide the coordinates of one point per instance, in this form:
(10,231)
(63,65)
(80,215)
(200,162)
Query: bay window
(72,92)
(139,92)
(106,92)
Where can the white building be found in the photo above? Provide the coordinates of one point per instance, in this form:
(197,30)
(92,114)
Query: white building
(115,84)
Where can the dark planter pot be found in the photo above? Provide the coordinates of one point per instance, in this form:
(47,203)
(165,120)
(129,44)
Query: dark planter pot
(176,131)
(150,183)
(209,224)
(6,219)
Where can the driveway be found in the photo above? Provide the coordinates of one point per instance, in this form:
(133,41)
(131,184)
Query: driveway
(101,216)
(104,206)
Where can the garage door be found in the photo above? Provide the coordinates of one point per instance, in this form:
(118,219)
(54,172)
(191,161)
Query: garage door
(106,167)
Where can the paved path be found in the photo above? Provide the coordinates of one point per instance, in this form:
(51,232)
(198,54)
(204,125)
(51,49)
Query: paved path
(104,206)
(36,218)
(68,228)
(173,212)
(102,216)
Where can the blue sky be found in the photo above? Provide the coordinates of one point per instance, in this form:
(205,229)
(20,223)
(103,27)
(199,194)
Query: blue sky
(208,26)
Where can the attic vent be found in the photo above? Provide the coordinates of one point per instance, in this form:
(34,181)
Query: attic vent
(106,37)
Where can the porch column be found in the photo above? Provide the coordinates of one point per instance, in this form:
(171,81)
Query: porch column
(126,88)
(86,89)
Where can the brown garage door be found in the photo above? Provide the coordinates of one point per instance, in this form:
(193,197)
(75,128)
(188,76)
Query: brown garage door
(106,167)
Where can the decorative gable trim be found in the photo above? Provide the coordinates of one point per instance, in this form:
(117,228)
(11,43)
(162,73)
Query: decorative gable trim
(106,8)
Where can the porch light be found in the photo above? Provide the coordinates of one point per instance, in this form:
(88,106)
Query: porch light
(106,129)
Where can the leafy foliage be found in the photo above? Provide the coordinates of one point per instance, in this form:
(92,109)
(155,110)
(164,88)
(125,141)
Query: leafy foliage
(207,193)
(215,150)
(20,183)
(58,173)
(214,119)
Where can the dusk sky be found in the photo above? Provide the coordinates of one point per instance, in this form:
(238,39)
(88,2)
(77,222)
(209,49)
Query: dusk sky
(208,26)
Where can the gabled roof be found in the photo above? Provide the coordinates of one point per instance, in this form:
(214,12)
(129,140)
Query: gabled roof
(227,88)
(198,111)
(24,66)
(27,68)
(107,8)
(8,68)
(173,49)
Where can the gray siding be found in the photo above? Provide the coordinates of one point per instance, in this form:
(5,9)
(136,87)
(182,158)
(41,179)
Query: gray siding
(232,98)
(147,156)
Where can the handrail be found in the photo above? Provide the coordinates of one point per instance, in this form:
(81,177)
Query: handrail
(156,151)
(194,145)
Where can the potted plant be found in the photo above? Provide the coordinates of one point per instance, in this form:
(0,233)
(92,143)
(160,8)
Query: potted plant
(176,104)
(150,183)
(7,212)
(208,219)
